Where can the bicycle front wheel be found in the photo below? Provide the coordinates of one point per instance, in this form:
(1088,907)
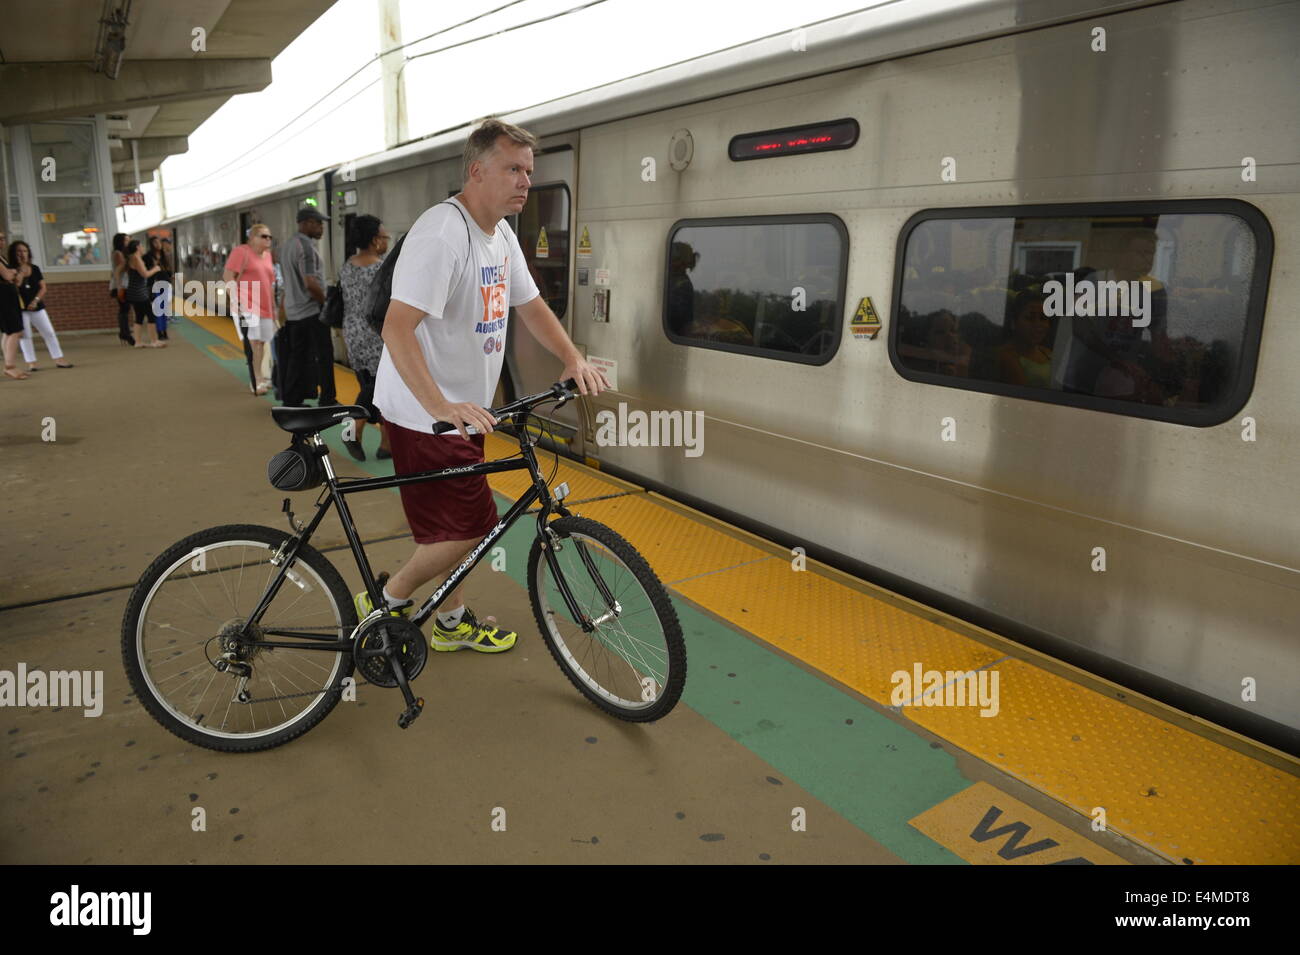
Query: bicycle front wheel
(186,620)
(632,662)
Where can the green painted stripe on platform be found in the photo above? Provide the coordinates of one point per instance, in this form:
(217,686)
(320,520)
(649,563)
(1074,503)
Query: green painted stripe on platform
(874,772)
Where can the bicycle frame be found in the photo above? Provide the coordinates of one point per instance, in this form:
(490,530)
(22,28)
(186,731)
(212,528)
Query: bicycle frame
(334,495)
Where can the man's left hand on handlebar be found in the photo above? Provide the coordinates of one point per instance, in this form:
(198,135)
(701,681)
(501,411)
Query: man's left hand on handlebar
(590,379)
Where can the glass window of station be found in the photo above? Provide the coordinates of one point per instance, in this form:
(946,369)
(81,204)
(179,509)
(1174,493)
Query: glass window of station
(9,194)
(770,286)
(69,203)
(1153,311)
(543,232)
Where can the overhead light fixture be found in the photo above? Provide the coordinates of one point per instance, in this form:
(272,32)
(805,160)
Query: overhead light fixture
(111,48)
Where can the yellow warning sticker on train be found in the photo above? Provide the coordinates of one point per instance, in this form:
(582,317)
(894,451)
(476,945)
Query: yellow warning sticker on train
(584,244)
(865,323)
(543,247)
(985,826)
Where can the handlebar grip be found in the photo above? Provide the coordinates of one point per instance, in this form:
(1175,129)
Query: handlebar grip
(570,385)
(443,426)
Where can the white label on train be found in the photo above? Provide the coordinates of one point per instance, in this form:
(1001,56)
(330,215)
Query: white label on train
(609,366)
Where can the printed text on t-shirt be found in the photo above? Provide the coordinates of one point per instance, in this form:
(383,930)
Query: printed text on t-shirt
(492,286)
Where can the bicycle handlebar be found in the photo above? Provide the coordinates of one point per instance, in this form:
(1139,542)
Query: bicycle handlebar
(562,391)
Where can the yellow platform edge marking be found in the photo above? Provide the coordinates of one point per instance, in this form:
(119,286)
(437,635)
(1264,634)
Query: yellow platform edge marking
(1161,787)
(986,826)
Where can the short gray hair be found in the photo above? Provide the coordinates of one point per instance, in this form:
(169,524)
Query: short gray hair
(484,139)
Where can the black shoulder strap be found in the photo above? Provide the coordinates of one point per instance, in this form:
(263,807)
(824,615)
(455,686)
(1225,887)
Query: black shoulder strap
(469,242)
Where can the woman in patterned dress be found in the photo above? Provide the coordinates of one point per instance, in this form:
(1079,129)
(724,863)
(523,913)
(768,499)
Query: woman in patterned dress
(370,239)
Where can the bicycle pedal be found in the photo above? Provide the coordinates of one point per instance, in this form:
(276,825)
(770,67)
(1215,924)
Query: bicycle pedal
(410,714)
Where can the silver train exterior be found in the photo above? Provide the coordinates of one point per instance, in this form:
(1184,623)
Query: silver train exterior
(203,240)
(845,454)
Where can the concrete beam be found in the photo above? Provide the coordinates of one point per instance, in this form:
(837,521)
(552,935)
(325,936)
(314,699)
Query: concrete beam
(125,181)
(39,91)
(152,149)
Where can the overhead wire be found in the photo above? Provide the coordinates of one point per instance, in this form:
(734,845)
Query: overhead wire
(259,152)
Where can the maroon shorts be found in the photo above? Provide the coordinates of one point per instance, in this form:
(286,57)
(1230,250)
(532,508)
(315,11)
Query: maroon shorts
(451,509)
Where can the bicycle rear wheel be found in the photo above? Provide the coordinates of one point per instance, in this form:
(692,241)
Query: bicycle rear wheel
(189,609)
(633,663)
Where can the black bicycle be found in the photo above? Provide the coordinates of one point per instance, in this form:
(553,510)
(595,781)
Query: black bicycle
(241,638)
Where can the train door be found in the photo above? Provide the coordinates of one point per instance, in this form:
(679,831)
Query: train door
(544,228)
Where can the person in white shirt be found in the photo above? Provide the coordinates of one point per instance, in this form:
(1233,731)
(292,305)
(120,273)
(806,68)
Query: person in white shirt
(458,274)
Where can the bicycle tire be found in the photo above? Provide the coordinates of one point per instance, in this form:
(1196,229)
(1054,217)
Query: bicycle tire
(143,598)
(569,649)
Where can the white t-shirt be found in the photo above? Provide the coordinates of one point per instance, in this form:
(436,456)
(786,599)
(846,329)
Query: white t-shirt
(463,332)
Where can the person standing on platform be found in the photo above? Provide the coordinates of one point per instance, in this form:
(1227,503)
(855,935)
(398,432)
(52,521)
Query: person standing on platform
(31,293)
(117,289)
(160,288)
(250,268)
(370,239)
(11,315)
(137,292)
(311,351)
(458,275)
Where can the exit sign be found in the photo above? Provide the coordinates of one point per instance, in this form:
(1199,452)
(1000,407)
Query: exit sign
(130,198)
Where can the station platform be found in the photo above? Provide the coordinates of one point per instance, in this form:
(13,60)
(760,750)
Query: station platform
(788,711)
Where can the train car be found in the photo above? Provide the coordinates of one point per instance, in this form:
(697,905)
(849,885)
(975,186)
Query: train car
(855,249)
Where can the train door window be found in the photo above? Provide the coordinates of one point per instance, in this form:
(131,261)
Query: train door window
(771,286)
(1147,309)
(349,240)
(542,227)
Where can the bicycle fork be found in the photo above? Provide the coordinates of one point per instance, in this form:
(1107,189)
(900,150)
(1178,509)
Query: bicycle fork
(550,545)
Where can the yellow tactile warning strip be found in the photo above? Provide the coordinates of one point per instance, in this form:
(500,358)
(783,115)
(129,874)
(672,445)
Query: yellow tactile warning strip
(674,545)
(985,826)
(1182,795)
(1161,786)
(858,640)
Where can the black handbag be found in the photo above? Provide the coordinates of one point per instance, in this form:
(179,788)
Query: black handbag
(332,313)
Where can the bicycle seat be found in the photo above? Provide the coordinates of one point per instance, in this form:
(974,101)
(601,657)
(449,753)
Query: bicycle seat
(309,420)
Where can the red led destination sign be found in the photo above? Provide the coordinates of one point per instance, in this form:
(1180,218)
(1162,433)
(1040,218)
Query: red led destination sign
(838,134)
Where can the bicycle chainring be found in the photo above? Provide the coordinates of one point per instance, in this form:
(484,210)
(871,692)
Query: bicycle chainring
(372,662)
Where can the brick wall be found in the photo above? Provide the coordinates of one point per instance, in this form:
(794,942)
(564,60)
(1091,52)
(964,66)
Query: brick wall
(80,305)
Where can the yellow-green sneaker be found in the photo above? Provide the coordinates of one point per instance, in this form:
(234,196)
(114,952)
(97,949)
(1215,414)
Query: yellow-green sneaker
(365,606)
(483,637)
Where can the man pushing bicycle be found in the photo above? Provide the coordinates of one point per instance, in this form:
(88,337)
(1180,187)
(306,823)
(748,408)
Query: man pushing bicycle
(458,274)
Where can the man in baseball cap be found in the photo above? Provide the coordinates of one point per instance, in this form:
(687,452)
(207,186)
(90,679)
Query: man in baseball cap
(311,351)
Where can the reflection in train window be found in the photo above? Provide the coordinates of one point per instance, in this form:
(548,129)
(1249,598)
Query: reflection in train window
(1146,310)
(771,286)
(543,232)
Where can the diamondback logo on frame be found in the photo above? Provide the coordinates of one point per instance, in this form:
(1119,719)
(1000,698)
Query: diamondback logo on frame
(71,688)
(77,908)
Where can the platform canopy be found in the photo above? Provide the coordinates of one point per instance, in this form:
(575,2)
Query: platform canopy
(60,56)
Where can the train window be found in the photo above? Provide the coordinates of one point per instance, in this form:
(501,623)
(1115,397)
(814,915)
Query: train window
(1145,309)
(771,286)
(543,232)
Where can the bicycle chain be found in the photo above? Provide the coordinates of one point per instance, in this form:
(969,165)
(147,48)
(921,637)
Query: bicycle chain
(291,696)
